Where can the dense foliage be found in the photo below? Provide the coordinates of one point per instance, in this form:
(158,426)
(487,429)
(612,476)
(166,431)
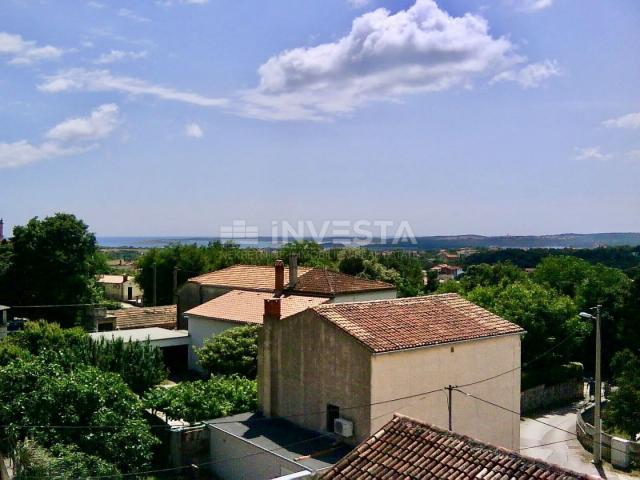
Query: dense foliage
(205,399)
(61,462)
(50,262)
(139,364)
(234,351)
(622,412)
(36,393)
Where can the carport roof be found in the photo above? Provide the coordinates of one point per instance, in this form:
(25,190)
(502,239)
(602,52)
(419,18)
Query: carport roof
(141,334)
(312,450)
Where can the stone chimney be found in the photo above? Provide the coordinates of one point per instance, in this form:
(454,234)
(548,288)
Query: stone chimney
(279,267)
(293,270)
(267,337)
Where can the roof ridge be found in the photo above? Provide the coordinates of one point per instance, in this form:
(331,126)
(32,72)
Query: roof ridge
(393,300)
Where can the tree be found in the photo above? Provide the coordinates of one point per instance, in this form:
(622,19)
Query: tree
(52,262)
(234,351)
(351,265)
(484,275)
(547,316)
(621,411)
(138,363)
(565,274)
(205,399)
(106,414)
(309,253)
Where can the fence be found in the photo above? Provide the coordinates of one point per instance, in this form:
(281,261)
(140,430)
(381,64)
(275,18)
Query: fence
(619,452)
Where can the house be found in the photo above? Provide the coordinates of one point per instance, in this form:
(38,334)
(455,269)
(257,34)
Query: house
(352,365)
(173,343)
(409,448)
(121,288)
(316,282)
(447,272)
(145,317)
(236,308)
(446,257)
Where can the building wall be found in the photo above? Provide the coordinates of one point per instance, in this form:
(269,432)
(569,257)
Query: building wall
(259,464)
(193,294)
(306,363)
(364,296)
(201,329)
(409,373)
(119,291)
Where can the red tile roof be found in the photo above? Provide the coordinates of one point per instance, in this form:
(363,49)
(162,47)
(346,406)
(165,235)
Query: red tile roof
(245,277)
(248,307)
(128,318)
(401,323)
(322,281)
(312,281)
(409,449)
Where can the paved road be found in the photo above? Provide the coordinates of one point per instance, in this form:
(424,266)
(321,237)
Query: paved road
(569,453)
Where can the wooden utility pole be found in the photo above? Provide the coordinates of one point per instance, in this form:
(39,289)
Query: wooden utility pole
(175,285)
(450,405)
(155,284)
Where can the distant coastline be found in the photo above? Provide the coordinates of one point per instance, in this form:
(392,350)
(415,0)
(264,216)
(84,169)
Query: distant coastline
(564,240)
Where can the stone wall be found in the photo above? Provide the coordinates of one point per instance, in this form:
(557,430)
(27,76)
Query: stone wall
(544,396)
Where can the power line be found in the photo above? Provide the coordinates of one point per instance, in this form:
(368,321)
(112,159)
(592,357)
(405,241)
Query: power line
(528,418)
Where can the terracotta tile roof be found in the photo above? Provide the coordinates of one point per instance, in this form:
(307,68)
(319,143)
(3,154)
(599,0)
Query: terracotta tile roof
(401,323)
(245,277)
(248,307)
(128,318)
(408,449)
(326,282)
(316,281)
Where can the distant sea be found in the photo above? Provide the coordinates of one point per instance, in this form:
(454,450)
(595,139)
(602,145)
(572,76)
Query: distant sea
(151,242)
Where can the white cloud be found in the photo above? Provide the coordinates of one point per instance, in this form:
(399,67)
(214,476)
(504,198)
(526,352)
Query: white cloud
(193,130)
(383,57)
(119,55)
(79,79)
(591,153)
(530,76)
(70,137)
(23,153)
(128,14)
(631,120)
(99,124)
(23,52)
(530,6)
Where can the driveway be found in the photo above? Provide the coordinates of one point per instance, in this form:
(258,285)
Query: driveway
(569,453)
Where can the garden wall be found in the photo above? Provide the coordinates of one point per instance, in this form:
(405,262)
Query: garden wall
(544,396)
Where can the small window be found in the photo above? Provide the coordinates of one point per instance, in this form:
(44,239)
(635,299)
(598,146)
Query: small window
(333,412)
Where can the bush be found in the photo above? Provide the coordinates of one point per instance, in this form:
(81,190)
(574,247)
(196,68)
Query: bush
(552,375)
(233,352)
(622,409)
(204,399)
(60,462)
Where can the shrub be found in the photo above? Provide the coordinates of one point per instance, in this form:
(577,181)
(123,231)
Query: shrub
(623,406)
(204,399)
(233,352)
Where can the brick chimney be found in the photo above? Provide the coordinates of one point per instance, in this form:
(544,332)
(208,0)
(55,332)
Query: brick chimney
(293,270)
(279,267)
(272,308)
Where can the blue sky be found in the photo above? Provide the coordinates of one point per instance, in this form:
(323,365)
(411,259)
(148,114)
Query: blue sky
(174,117)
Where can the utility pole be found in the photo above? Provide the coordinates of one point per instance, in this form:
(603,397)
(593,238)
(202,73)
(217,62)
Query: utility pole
(597,423)
(155,284)
(450,405)
(597,445)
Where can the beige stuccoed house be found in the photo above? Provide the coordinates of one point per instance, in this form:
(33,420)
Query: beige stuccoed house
(351,366)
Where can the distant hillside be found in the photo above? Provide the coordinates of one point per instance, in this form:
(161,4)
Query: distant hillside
(563,240)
